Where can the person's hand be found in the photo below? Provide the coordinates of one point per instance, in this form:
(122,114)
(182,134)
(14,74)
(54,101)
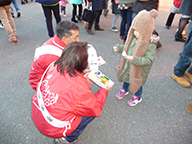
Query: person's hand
(124,54)
(115,48)
(108,86)
(86,72)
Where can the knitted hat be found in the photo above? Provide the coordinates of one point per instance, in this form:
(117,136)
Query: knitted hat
(144,24)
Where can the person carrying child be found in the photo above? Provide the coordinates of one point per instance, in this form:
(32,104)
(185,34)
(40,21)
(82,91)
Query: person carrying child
(138,55)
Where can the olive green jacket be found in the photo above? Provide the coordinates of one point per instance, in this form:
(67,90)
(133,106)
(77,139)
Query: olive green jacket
(146,61)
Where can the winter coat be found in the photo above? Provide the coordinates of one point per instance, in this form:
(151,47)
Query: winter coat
(146,61)
(186,7)
(44,56)
(76,2)
(5,2)
(148,5)
(47,2)
(115,9)
(67,99)
(98,4)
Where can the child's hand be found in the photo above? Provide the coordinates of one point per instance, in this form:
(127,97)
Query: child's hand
(124,54)
(115,48)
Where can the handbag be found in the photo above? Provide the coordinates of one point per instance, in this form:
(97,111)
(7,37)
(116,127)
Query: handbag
(88,15)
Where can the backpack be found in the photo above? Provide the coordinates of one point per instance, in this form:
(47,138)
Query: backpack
(5,2)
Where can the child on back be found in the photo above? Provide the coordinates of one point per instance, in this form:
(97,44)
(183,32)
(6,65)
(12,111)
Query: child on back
(138,55)
(63,4)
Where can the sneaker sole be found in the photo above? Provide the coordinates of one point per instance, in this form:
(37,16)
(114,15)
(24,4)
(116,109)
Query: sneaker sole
(135,103)
(122,96)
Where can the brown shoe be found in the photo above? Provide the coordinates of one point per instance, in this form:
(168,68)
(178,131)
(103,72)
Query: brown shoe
(85,25)
(187,74)
(181,80)
(189,108)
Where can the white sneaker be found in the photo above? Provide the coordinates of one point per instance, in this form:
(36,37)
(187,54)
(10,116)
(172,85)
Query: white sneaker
(114,29)
(65,15)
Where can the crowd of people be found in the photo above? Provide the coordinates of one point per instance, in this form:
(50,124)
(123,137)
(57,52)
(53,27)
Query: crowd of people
(63,104)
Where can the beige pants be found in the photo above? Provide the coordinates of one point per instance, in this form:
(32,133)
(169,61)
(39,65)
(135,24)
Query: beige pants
(8,23)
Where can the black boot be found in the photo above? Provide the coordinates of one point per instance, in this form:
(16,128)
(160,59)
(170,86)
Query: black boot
(179,37)
(22,2)
(74,20)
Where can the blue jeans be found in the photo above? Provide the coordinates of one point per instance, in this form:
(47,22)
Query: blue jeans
(126,88)
(74,135)
(15,5)
(185,59)
(48,15)
(126,20)
(97,14)
(116,16)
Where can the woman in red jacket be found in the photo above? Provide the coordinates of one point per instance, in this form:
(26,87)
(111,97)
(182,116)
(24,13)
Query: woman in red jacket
(63,104)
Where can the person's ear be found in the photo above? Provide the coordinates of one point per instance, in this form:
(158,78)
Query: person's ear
(64,39)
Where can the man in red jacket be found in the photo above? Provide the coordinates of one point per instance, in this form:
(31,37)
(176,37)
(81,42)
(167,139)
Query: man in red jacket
(66,32)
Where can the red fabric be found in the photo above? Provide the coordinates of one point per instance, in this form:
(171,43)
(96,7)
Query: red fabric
(43,61)
(74,99)
(177,3)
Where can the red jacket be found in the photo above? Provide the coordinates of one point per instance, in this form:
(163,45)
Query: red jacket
(66,99)
(177,3)
(44,56)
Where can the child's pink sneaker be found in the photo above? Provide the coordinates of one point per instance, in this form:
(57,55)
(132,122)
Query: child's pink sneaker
(121,94)
(135,100)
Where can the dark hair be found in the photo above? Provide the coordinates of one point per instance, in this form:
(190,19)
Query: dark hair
(74,58)
(64,28)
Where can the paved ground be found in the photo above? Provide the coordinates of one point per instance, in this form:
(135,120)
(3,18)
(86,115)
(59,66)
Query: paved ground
(161,118)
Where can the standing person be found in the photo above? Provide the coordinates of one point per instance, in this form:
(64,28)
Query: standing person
(17,8)
(173,11)
(138,55)
(125,7)
(63,4)
(116,13)
(76,3)
(183,69)
(186,11)
(97,7)
(50,6)
(7,20)
(63,104)
(66,32)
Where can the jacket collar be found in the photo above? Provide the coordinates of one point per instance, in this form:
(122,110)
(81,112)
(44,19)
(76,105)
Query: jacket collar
(58,42)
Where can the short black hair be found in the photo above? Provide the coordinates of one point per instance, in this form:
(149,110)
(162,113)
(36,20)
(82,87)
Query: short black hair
(74,58)
(64,28)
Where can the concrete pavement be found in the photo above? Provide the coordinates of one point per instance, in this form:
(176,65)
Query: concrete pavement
(160,118)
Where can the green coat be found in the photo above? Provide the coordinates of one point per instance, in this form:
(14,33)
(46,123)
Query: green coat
(146,61)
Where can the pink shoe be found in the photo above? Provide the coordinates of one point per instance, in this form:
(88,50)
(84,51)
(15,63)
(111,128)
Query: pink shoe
(121,94)
(135,100)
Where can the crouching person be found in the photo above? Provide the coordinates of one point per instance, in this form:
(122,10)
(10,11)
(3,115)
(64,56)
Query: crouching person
(63,104)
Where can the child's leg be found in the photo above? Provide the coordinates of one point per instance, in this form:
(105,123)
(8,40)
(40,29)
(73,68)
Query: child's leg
(136,98)
(124,91)
(64,9)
